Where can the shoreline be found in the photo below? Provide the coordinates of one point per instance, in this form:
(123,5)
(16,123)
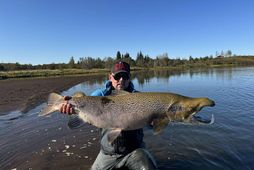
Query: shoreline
(46,73)
(26,94)
(48,143)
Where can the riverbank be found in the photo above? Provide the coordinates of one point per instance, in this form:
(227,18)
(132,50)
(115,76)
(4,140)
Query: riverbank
(35,73)
(25,94)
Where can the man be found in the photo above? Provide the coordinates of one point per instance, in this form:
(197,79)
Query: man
(127,150)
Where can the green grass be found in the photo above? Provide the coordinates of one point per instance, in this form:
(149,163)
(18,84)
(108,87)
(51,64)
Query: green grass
(48,73)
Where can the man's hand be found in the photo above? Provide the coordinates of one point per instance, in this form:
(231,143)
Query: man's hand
(66,107)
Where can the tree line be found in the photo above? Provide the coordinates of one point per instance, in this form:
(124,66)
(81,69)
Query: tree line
(144,61)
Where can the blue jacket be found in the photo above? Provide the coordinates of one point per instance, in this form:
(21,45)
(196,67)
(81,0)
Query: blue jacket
(127,141)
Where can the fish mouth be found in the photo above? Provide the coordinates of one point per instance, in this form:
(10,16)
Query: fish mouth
(195,119)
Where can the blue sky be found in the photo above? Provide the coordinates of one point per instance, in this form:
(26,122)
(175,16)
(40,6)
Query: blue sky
(47,31)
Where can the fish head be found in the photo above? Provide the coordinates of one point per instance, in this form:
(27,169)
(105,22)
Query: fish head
(198,103)
(186,110)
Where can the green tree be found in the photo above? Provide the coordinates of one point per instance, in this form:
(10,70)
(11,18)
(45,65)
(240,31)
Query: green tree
(118,56)
(148,62)
(126,56)
(71,63)
(162,60)
(228,53)
(1,67)
(108,62)
(140,59)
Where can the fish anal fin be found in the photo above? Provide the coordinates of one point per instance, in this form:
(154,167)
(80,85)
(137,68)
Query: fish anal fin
(159,124)
(113,134)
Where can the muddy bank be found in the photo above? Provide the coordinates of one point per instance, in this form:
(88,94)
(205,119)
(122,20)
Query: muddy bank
(32,142)
(25,94)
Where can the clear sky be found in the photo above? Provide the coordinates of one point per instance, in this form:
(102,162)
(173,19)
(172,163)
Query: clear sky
(47,31)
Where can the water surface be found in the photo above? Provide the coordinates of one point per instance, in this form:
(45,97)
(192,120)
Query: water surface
(28,141)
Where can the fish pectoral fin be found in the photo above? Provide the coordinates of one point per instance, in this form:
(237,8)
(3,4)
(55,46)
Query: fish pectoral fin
(75,122)
(113,134)
(159,124)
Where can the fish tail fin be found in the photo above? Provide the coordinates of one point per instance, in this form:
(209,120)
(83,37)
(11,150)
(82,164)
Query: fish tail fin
(54,100)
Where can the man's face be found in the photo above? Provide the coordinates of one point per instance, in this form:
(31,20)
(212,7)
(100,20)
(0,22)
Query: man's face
(120,81)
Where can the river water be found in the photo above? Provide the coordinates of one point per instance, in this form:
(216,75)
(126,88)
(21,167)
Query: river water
(226,144)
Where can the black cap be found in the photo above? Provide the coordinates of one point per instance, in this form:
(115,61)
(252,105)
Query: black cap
(120,67)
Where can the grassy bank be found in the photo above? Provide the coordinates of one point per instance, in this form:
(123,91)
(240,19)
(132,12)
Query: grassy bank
(69,72)
(48,73)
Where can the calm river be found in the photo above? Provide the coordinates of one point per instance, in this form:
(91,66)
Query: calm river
(46,143)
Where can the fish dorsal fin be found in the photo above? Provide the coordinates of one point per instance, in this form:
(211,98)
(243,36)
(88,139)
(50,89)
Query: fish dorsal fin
(159,124)
(113,134)
(119,93)
(79,94)
(75,122)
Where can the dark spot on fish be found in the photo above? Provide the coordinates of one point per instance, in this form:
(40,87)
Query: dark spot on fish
(175,108)
(105,100)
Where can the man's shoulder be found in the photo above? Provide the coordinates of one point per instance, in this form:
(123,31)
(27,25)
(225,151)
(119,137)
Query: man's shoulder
(98,92)
(103,92)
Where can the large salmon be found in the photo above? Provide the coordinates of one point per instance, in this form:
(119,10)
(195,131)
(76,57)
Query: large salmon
(129,111)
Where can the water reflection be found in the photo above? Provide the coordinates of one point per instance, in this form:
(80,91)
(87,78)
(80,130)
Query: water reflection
(173,80)
(164,76)
(144,77)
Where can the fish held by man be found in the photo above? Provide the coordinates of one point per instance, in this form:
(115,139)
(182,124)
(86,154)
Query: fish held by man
(133,110)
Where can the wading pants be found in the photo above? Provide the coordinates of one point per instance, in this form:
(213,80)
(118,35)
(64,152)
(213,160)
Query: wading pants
(139,159)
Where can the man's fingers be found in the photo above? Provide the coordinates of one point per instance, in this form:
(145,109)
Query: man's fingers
(64,108)
(61,108)
(69,108)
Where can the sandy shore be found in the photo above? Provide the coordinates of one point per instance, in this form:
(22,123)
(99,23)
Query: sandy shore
(25,94)
(28,142)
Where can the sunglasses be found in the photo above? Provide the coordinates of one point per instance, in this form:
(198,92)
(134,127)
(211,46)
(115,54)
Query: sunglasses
(125,76)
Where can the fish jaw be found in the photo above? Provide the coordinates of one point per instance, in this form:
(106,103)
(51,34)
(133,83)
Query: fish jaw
(186,111)
(200,121)
(194,119)
(205,103)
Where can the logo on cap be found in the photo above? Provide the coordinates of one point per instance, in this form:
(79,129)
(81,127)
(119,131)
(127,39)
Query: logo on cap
(121,67)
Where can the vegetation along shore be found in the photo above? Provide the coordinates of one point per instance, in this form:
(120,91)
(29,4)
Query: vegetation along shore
(89,65)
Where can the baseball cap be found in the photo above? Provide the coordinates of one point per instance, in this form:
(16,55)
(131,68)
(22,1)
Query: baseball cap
(121,67)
